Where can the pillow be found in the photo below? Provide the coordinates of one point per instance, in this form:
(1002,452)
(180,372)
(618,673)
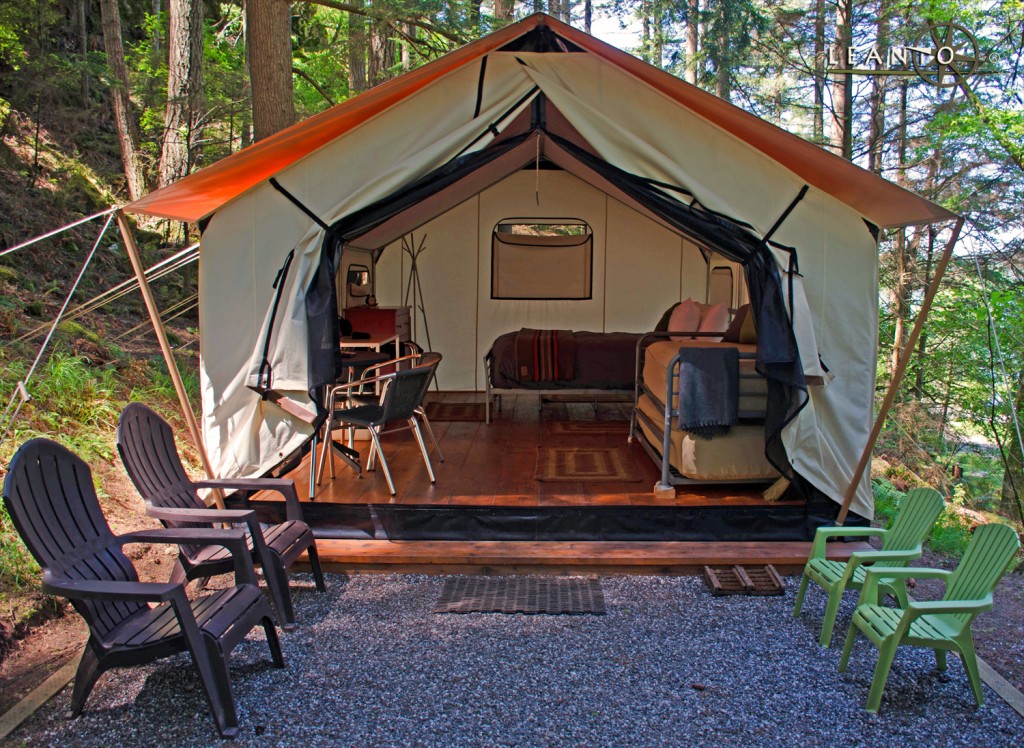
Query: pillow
(684,318)
(662,325)
(748,333)
(732,334)
(715,319)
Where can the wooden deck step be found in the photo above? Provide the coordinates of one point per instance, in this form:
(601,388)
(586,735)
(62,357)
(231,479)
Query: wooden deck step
(529,557)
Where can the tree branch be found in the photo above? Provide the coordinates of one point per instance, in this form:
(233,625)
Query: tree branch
(379,17)
(306,77)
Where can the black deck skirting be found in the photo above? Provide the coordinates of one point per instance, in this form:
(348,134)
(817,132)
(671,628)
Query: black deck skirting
(618,523)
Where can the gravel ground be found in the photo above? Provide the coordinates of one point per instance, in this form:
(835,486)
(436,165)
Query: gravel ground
(370,664)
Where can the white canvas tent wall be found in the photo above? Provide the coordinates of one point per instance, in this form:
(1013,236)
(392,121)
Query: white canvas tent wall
(632,116)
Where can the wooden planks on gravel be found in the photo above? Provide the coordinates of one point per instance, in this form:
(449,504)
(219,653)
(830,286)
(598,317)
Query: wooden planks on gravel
(485,557)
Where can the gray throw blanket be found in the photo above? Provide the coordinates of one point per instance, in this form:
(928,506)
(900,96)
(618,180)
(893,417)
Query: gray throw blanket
(709,390)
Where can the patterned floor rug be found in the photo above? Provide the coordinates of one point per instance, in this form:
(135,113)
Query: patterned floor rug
(585,465)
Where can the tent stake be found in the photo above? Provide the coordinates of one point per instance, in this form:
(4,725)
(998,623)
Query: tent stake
(165,348)
(897,377)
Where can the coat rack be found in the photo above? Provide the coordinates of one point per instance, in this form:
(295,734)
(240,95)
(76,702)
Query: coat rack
(413,288)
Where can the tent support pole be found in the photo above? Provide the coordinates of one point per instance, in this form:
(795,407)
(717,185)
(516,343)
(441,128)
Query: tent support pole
(165,348)
(897,377)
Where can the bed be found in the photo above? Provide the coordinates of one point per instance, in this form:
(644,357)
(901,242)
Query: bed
(734,457)
(600,361)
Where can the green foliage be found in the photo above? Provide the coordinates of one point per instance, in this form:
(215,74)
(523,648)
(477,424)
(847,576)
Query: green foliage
(952,531)
(160,387)
(888,500)
(77,405)
(17,567)
(73,330)
(951,534)
(982,479)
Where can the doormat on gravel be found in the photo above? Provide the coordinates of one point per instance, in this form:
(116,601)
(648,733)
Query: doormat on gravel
(584,465)
(743,580)
(586,428)
(521,595)
(456,411)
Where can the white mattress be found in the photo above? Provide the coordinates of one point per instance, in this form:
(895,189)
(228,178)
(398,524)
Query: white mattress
(737,455)
(753,391)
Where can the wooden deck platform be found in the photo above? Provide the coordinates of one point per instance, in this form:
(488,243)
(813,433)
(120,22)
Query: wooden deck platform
(563,557)
(494,465)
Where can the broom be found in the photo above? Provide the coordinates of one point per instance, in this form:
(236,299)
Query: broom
(776,490)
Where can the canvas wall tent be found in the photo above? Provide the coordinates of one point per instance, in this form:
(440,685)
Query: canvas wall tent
(661,167)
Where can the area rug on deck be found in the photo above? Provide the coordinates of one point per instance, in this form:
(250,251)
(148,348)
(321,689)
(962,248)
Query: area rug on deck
(456,411)
(521,595)
(583,465)
(587,428)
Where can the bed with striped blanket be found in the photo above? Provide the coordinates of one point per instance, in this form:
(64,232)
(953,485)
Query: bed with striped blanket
(561,361)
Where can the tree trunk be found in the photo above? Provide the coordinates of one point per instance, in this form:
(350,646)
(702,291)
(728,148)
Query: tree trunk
(474,18)
(382,53)
(357,43)
(690,39)
(900,299)
(819,72)
(120,95)
(406,49)
(842,84)
(658,35)
(1013,473)
(196,99)
(876,136)
(269,48)
(504,10)
(901,282)
(184,88)
(588,15)
(83,50)
(156,44)
(645,12)
(946,399)
(723,65)
(922,340)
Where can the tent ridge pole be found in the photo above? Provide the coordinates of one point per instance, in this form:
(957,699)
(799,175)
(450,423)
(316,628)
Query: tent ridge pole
(165,348)
(897,377)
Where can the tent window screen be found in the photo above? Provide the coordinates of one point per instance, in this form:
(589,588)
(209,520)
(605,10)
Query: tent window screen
(531,259)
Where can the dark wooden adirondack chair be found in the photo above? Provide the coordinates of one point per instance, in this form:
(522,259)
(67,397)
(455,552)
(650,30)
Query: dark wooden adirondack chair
(146,444)
(50,496)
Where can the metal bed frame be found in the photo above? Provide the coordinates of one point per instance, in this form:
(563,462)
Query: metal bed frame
(494,393)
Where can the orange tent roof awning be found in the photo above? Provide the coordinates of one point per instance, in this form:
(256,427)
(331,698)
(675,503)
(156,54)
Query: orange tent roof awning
(200,194)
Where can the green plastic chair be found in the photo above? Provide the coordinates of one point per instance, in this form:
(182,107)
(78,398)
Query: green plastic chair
(901,544)
(940,625)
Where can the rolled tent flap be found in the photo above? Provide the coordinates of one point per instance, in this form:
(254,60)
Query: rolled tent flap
(803,325)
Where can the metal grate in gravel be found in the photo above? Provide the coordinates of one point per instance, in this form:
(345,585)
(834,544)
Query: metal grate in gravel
(521,595)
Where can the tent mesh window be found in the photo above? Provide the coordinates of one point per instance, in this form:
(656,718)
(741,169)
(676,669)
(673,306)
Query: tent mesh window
(542,259)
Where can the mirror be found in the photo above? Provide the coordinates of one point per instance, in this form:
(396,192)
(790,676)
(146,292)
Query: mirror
(358,279)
